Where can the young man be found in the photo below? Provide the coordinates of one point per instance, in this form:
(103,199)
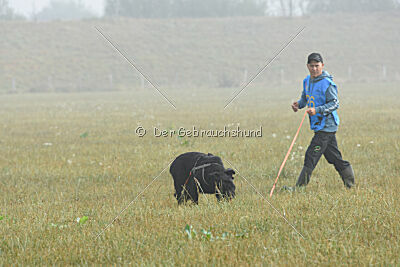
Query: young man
(320,96)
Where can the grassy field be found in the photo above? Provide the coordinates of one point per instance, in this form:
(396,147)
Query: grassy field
(70,156)
(72,56)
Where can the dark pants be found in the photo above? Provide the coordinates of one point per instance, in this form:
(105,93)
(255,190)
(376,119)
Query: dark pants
(324,143)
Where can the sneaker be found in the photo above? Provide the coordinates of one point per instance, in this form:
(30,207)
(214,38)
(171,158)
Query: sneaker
(288,188)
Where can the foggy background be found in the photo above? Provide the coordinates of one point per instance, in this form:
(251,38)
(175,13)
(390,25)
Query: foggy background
(61,9)
(53,46)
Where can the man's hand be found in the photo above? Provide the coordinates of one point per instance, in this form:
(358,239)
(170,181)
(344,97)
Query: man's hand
(311,111)
(295,106)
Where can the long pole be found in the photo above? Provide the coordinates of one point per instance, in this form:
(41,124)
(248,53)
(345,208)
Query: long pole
(287,155)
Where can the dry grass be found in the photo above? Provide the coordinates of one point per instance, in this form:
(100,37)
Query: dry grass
(72,56)
(96,165)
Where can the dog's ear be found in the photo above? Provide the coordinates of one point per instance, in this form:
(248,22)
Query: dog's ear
(230,171)
(209,154)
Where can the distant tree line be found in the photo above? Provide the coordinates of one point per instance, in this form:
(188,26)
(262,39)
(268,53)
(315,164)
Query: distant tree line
(74,9)
(352,6)
(55,10)
(6,13)
(184,8)
(230,8)
(64,10)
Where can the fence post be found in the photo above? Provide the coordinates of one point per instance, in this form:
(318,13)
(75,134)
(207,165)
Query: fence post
(14,86)
(245,73)
(384,72)
(141,81)
(50,83)
(349,73)
(110,78)
(176,79)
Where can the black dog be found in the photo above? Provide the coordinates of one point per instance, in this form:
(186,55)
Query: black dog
(195,172)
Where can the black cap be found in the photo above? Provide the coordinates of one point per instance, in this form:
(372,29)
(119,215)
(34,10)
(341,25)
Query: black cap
(316,57)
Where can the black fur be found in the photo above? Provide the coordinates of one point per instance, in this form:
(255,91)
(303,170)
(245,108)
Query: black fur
(217,180)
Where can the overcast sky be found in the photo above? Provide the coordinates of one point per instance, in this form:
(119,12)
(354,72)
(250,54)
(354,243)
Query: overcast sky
(25,7)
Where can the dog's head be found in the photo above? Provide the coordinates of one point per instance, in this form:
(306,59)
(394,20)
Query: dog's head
(224,182)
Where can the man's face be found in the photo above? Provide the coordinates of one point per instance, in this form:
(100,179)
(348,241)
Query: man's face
(315,68)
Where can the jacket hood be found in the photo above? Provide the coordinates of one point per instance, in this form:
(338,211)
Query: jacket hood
(324,74)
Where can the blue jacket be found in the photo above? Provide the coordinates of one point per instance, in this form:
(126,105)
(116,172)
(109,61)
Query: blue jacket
(326,119)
